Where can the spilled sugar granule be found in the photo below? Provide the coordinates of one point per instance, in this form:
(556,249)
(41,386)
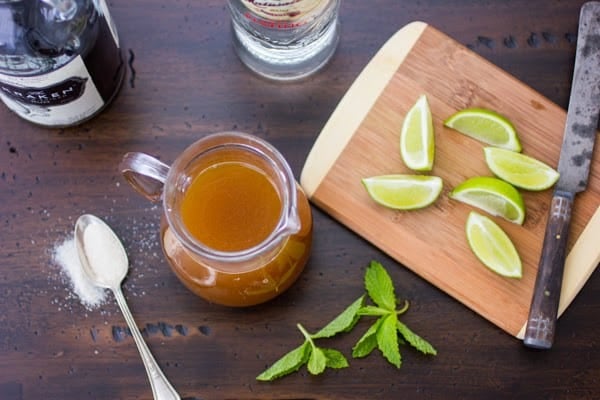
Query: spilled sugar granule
(65,256)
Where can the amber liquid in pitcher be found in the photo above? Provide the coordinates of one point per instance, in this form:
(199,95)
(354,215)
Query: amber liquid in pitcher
(233,206)
(224,195)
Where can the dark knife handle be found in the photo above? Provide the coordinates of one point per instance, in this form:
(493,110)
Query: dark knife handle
(541,323)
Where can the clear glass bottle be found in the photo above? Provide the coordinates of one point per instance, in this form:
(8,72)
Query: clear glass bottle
(60,60)
(285,40)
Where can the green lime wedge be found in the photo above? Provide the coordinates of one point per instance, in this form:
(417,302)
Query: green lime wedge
(492,195)
(486,126)
(520,170)
(403,192)
(417,146)
(492,246)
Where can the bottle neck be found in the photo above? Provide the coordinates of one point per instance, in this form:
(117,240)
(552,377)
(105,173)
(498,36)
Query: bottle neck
(43,35)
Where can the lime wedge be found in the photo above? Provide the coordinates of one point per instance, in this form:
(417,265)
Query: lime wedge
(416,137)
(520,170)
(493,195)
(403,192)
(486,126)
(492,246)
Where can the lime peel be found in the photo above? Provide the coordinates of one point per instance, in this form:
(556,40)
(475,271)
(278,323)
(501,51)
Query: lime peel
(492,246)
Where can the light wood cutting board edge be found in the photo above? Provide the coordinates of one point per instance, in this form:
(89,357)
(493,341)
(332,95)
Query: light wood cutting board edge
(581,261)
(356,104)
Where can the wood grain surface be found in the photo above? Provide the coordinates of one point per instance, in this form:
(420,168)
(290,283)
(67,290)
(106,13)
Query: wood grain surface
(184,81)
(431,241)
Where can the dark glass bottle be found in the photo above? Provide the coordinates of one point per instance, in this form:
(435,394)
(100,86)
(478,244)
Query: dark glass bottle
(60,60)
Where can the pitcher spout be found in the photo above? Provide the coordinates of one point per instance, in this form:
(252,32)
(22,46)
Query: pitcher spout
(292,223)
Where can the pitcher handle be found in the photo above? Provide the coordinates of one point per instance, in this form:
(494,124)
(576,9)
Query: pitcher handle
(146,174)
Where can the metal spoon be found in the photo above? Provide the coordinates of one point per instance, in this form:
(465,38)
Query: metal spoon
(104,261)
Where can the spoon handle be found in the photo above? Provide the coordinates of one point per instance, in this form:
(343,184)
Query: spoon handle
(161,388)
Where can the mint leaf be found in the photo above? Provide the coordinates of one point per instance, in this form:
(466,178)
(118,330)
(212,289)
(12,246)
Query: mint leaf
(368,341)
(335,359)
(287,364)
(387,340)
(379,286)
(386,334)
(415,340)
(317,361)
(373,311)
(343,322)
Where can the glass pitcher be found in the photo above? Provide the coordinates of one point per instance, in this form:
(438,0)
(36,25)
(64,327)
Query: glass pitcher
(236,227)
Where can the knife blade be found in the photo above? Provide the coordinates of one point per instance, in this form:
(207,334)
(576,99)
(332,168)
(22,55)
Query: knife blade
(574,164)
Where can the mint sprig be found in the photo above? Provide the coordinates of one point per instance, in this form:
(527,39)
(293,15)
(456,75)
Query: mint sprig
(317,359)
(383,334)
(387,333)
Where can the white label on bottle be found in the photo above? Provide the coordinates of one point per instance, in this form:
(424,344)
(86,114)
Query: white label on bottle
(283,10)
(62,97)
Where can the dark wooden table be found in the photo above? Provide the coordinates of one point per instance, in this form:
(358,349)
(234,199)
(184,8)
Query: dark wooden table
(184,81)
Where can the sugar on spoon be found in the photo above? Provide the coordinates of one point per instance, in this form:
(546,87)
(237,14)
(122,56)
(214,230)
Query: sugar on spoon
(104,261)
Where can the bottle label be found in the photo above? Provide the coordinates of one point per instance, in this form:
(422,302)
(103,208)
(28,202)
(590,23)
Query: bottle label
(56,95)
(62,97)
(75,91)
(284,10)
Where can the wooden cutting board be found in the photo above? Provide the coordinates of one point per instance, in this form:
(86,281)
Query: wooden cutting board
(361,140)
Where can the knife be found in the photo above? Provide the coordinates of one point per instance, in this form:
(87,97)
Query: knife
(574,166)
